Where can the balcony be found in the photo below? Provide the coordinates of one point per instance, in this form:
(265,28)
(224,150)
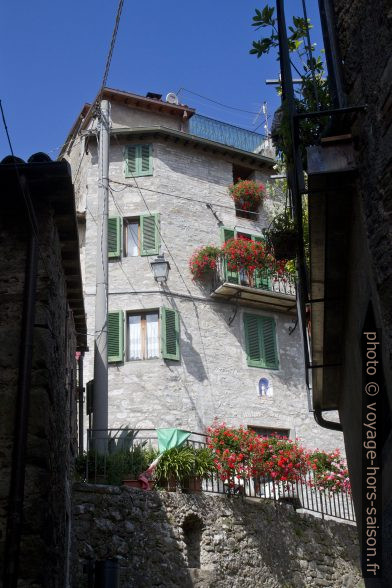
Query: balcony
(268,290)
(226,134)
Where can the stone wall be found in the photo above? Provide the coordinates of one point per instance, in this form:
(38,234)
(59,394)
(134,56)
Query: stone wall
(172,539)
(52,417)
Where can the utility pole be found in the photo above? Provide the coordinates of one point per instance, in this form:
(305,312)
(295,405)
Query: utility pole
(100,397)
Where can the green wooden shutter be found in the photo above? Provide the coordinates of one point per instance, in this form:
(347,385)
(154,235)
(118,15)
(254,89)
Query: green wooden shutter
(114,236)
(115,336)
(252,340)
(262,277)
(138,160)
(149,234)
(230,275)
(268,335)
(260,341)
(145,160)
(170,334)
(131,161)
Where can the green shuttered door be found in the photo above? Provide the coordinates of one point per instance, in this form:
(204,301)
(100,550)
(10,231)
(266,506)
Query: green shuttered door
(260,340)
(115,336)
(170,334)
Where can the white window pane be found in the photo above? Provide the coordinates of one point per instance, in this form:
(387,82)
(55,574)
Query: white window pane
(152,335)
(134,337)
(133,239)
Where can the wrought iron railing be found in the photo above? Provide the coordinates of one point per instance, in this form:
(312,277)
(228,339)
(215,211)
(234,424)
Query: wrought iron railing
(221,132)
(302,494)
(261,279)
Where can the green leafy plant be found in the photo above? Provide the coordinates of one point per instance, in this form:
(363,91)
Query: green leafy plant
(281,236)
(177,462)
(203,462)
(312,94)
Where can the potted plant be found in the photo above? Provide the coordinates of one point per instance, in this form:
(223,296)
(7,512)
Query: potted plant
(247,194)
(203,466)
(127,466)
(203,261)
(329,471)
(246,255)
(282,236)
(175,465)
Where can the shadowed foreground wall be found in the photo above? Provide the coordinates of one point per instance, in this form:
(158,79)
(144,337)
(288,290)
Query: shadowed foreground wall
(171,539)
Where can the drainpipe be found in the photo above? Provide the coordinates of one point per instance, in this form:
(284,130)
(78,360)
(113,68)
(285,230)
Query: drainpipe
(331,425)
(81,403)
(18,467)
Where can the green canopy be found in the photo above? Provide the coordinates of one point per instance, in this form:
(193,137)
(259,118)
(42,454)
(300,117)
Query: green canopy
(169,438)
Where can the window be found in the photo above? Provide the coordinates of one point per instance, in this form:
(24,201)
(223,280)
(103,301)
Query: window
(134,236)
(262,279)
(149,334)
(260,341)
(269,431)
(138,160)
(143,335)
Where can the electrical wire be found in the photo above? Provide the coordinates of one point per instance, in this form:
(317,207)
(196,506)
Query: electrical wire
(216,102)
(178,270)
(205,202)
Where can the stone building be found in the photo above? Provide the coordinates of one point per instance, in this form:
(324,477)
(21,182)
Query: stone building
(42,325)
(181,353)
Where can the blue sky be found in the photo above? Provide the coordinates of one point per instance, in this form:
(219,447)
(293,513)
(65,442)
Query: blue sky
(54,53)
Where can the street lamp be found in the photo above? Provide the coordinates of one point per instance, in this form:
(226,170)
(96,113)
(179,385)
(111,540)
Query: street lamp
(160,268)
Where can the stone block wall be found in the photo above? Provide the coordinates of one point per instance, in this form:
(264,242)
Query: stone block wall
(52,417)
(172,539)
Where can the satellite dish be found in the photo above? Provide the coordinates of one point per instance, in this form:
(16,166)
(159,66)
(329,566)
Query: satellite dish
(172,98)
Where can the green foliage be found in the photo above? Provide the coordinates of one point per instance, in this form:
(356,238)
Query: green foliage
(177,462)
(204,462)
(182,462)
(313,93)
(114,467)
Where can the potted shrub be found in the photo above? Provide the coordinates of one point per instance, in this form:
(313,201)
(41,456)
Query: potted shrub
(203,261)
(248,195)
(282,236)
(203,466)
(174,467)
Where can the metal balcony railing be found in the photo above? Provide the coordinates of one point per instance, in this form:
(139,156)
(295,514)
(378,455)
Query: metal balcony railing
(98,466)
(221,132)
(261,280)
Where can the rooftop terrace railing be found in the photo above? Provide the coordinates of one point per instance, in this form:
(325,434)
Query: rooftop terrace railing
(302,494)
(221,132)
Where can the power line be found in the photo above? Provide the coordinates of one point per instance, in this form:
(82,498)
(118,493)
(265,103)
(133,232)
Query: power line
(216,102)
(226,206)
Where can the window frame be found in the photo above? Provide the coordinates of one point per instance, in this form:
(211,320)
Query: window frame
(143,327)
(127,221)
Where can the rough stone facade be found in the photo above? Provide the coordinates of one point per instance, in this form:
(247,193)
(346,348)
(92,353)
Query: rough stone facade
(212,378)
(167,540)
(51,446)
